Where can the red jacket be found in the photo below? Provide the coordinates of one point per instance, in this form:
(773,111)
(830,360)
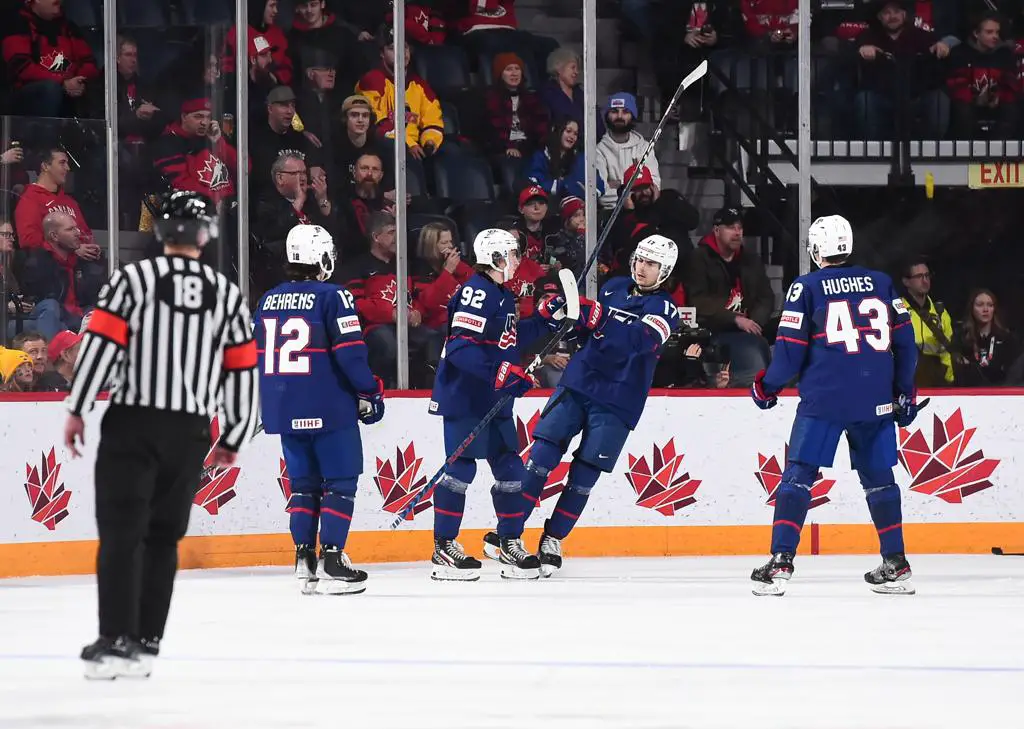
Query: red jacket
(374,285)
(46,50)
(522,285)
(533,120)
(487,14)
(853,23)
(761,17)
(432,293)
(195,163)
(282,66)
(35,204)
(67,267)
(971,71)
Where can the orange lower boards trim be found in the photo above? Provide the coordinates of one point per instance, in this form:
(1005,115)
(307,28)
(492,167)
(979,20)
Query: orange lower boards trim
(75,558)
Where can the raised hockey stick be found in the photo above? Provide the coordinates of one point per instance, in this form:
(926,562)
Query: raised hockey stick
(572,314)
(691,78)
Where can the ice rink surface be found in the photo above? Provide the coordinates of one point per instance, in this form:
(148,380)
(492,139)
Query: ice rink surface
(631,643)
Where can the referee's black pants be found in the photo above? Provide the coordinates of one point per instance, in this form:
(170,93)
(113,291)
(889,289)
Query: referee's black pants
(147,471)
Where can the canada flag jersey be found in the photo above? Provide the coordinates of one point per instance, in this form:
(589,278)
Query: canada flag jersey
(195,163)
(54,61)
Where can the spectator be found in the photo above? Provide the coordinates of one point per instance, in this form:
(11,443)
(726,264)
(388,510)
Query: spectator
(314,27)
(553,365)
(366,195)
(277,69)
(291,201)
(15,371)
(885,52)
(357,138)
(489,27)
(371,279)
(983,83)
(524,282)
(49,62)
(534,225)
(559,168)
(674,57)
(561,93)
(986,348)
(621,146)
(138,118)
(23,314)
(424,129)
(442,271)
(46,195)
(34,345)
(568,247)
(63,353)
(318,103)
(933,329)
(192,154)
(64,275)
(518,119)
(664,211)
(269,141)
(733,296)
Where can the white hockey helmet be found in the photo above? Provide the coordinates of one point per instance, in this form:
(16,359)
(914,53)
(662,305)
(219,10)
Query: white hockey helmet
(828,237)
(658,249)
(493,246)
(311,245)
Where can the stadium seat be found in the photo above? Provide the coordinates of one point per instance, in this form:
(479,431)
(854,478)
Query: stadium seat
(82,13)
(142,15)
(462,177)
(208,12)
(415,180)
(451,120)
(474,217)
(445,68)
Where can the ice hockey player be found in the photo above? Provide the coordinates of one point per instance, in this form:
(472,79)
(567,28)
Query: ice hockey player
(315,384)
(479,366)
(846,334)
(603,390)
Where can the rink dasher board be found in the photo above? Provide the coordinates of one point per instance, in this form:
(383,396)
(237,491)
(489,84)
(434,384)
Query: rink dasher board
(694,478)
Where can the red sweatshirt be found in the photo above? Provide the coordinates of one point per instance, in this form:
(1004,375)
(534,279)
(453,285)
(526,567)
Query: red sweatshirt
(46,50)
(433,293)
(761,17)
(196,164)
(67,267)
(35,204)
(488,14)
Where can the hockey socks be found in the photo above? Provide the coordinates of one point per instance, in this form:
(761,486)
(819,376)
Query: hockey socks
(304,511)
(887,514)
(791,503)
(572,500)
(544,456)
(450,498)
(336,512)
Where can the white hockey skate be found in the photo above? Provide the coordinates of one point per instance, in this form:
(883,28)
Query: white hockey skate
(892,577)
(451,563)
(516,562)
(492,546)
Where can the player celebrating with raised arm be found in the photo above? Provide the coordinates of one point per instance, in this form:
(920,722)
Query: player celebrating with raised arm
(479,366)
(316,385)
(846,334)
(602,392)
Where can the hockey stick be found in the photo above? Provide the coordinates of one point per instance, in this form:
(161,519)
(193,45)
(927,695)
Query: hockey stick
(572,314)
(999,552)
(693,77)
(205,473)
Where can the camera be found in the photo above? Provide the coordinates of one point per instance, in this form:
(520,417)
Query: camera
(707,29)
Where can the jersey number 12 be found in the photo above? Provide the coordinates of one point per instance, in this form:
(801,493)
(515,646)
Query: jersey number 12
(287,359)
(840,327)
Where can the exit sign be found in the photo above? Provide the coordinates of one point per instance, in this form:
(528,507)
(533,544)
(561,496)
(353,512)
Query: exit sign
(995,174)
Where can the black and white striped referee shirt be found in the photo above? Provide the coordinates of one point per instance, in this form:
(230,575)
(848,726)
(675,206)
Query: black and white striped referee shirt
(173,334)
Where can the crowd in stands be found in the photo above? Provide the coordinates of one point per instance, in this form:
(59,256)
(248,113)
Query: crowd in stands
(493,137)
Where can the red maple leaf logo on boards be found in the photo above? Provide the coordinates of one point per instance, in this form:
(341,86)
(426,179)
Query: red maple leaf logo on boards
(559,474)
(48,497)
(217,486)
(769,475)
(284,481)
(400,483)
(660,486)
(943,470)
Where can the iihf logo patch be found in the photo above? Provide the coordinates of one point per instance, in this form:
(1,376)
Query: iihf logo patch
(508,337)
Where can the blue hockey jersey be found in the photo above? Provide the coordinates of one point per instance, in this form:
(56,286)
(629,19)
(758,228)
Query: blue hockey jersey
(615,366)
(312,358)
(846,334)
(483,332)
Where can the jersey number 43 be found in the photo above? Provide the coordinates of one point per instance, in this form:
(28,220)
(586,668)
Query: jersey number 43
(840,327)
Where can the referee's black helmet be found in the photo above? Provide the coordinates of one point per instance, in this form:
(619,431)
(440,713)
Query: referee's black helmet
(186,218)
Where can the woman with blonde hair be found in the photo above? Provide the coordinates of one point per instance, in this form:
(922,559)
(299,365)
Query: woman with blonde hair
(442,271)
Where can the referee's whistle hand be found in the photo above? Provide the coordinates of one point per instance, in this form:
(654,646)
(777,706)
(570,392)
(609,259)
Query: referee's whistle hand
(222,457)
(74,433)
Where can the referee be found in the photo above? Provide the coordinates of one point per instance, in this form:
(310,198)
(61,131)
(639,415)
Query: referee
(173,339)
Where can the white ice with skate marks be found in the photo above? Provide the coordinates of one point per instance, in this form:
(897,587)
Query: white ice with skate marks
(624,643)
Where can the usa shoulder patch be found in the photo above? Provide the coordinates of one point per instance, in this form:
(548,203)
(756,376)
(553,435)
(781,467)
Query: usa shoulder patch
(791,320)
(899,306)
(472,322)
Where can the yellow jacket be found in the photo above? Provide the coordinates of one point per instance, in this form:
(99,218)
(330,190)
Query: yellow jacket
(927,343)
(423,120)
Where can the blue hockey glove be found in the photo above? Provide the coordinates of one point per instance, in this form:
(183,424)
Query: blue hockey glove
(552,309)
(762,399)
(591,314)
(905,409)
(371,404)
(514,379)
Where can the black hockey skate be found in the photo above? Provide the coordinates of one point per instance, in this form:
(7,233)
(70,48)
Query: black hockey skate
(772,578)
(305,567)
(452,563)
(550,553)
(110,658)
(336,576)
(516,562)
(492,546)
(892,577)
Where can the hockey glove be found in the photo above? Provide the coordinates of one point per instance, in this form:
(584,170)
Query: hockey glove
(371,404)
(762,399)
(552,309)
(514,379)
(591,314)
(905,409)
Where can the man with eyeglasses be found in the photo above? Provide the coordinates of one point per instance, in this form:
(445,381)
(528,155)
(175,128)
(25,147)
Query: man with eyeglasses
(933,329)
